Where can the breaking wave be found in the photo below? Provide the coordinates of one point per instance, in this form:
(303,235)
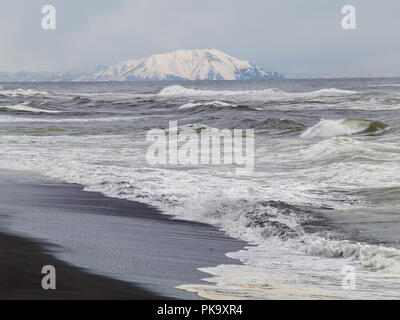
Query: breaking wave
(370,256)
(332,128)
(260,222)
(11,119)
(191,105)
(176,90)
(24,92)
(25,107)
(276,209)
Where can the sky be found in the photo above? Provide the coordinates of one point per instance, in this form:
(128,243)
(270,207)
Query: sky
(298,38)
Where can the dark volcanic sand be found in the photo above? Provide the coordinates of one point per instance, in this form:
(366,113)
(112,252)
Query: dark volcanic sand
(111,237)
(21,262)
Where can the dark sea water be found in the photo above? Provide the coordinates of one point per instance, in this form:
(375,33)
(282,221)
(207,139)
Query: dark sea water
(324,195)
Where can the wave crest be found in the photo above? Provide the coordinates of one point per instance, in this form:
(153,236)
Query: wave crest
(23,92)
(25,107)
(332,128)
(221,104)
(179,91)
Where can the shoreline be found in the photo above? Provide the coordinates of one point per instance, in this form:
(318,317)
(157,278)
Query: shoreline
(105,248)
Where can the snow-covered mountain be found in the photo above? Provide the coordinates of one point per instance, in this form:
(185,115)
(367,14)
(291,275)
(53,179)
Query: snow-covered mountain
(177,65)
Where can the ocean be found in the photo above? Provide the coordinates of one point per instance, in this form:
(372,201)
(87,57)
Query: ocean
(320,209)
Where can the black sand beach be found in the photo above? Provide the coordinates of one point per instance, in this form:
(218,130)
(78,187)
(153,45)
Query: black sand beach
(161,253)
(21,261)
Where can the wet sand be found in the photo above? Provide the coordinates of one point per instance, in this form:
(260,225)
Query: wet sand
(21,262)
(101,247)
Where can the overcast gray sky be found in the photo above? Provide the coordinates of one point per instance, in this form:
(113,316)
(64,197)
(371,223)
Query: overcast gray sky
(295,37)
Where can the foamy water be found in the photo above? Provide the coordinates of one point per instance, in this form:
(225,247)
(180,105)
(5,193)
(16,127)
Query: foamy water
(320,152)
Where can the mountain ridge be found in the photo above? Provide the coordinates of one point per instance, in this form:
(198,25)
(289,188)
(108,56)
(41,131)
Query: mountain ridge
(181,65)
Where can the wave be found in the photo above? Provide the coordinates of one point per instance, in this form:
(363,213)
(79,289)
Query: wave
(262,222)
(25,107)
(81,100)
(11,119)
(213,103)
(234,205)
(336,150)
(176,90)
(254,220)
(291,227)
(264,275)
(371,256)
(24,92)
(190,105)
(197,127)
(389,85)
(331,91)
(332,128)
(270,125)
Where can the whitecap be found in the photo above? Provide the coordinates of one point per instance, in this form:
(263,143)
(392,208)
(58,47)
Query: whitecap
(343,127)
(24,92)
(26,108)
(177,91)
(216,103)
(10,119)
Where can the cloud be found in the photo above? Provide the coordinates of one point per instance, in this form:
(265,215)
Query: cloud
(291,36)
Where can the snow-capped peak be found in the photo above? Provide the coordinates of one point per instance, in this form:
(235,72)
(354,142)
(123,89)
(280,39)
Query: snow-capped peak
(204,64)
